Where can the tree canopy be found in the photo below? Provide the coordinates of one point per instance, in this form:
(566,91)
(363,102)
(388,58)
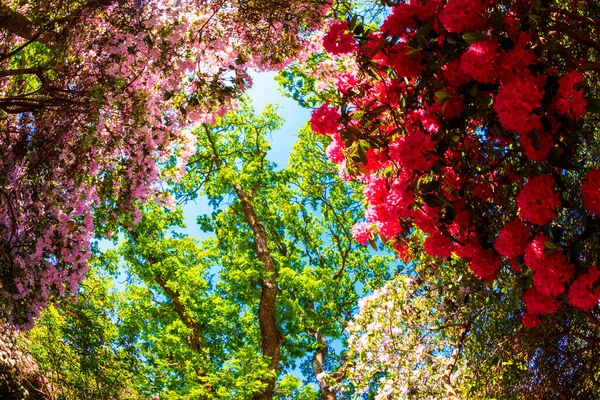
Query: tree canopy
(435,234)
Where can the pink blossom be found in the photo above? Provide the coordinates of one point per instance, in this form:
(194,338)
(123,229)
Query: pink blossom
(324,120)
(361,232)
(337,41)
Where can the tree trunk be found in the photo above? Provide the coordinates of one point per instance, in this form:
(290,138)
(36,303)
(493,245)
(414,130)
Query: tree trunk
(327,393)
(271,338)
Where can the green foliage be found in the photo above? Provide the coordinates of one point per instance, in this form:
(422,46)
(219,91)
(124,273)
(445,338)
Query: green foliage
(185,326)
(78,348)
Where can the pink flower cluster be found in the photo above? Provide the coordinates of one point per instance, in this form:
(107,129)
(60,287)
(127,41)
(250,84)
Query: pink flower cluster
(325,120)
(337,41)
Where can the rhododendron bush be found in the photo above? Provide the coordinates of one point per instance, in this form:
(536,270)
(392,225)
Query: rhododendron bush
(94,99)
(474,122)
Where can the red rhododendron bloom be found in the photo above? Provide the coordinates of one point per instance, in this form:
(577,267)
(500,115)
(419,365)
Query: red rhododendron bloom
(530,320)
(515,61)
(484,264)
(401,19)
(590,191)
(516,101)
(550,280)
(479,61)
(550,268)
(539,303)
(534,253)
(537,201)
(512,239)
(336,41)
(439,245)
(405,60)
(345,82)
(581,294)
(570,102)
(543,142)
(409,151)
(324,120)
(463,15)
(454,74)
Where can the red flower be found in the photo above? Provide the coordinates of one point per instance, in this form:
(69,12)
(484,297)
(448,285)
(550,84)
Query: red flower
(530,320)
(512,239)
(336,41)
(516,101)
(401,19)
(539,303)
(324,120)
(463,15)
(484,264)
(479,61)
(409,151)
(537,201)
(580,291)
(570,102)
(405,60)
(544,145)
(590,191)
(439,245)
(550,270)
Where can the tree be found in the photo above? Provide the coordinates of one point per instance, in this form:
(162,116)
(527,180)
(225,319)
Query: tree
(272,287)
(479,132)
(77,345)
(95,96)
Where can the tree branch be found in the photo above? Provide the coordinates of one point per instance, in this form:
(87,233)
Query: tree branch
(17,24)
(446,377)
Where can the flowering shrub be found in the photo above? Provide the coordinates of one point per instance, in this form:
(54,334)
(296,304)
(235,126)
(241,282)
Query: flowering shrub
(94,102)
(473,122)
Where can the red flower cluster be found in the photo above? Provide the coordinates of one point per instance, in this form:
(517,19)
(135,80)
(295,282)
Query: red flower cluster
(538,201)
(537,303)
(516,101)
(479,61)
(324,120)
(569,101)
(512,239)
(337,41)
(464,15)
(472,131)
(581,293)
(590,191)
